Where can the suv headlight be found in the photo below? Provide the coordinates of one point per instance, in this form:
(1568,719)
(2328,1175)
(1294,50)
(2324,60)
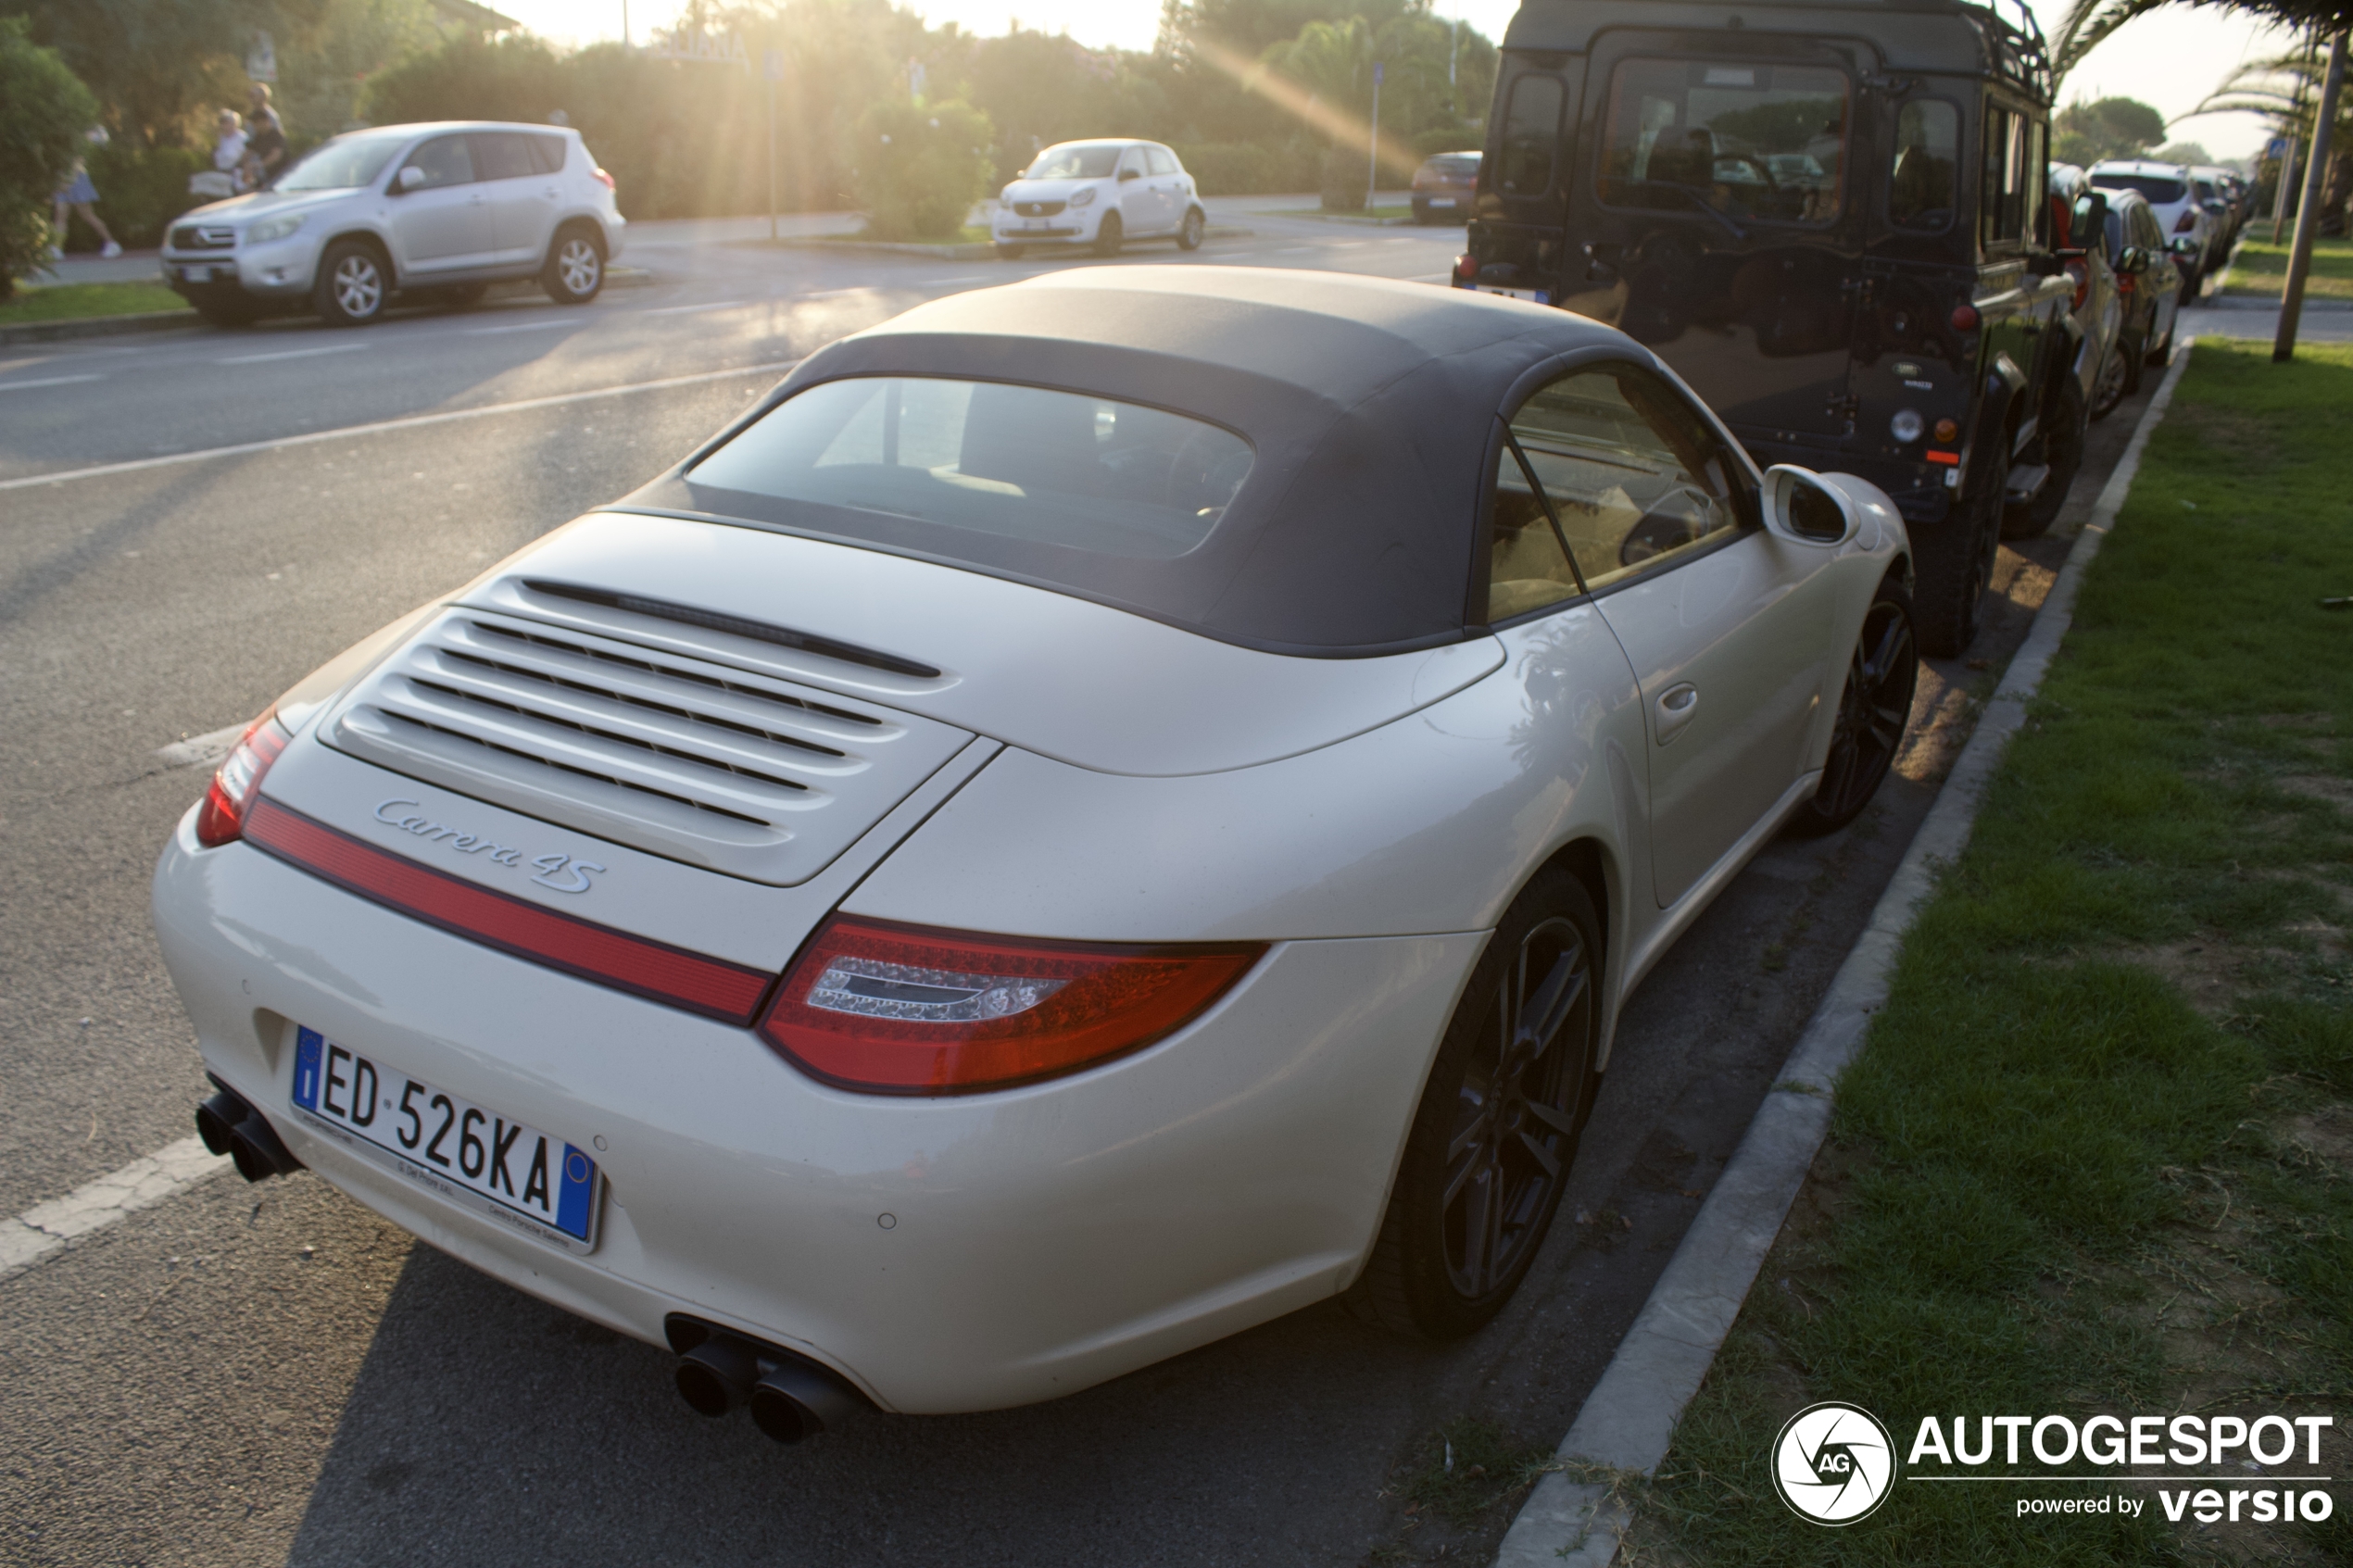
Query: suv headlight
(270,229)
(1084,199)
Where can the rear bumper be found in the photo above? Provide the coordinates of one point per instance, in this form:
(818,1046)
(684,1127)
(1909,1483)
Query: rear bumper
(1038,1240)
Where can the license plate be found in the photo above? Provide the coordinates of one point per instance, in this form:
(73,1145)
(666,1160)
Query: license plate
(1539,296)
(539,1184)
(195,274)
(1439,201)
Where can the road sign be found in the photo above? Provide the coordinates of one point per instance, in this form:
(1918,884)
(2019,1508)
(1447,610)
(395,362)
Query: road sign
(2278,147)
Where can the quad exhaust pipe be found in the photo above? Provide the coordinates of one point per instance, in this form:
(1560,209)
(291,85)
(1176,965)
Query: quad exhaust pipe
(791,1397)
(229,1126)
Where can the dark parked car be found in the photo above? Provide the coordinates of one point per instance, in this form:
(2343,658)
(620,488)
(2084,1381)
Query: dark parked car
(1829,217)
(1443,187)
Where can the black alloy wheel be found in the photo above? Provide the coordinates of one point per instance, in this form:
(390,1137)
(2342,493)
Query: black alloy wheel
(2059,444)
(1872,712)
(1188,236)
(1496,1134)
(1954,567)
(1108,234)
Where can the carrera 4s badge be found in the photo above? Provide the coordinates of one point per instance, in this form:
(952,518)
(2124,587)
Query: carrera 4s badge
(558,872)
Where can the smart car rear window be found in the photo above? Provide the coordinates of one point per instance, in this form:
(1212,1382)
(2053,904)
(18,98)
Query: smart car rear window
(979,461)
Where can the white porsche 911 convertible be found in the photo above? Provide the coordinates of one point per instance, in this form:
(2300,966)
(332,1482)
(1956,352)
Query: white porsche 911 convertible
(1102,811)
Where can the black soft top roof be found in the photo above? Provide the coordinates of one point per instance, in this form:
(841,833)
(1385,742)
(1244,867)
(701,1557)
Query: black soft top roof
(1369,403)
(1937,35)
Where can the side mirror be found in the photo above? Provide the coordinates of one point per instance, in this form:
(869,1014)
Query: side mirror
(1802,509)
(407,179)
(1128,174)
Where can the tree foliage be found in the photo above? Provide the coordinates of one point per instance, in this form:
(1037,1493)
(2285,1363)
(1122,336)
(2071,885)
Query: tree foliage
(44,111)
(2084,134)
(920,168)
(2089,23)
(161,68)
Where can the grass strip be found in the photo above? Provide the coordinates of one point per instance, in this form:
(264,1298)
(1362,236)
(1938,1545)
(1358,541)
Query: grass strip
(2095,1154)
(75,302)
(2261,269)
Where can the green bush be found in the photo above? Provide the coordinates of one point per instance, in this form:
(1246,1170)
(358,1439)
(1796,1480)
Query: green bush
(1229,169)
(919,167)
(516,78)
(1342,181)
(44,111)
(141,190)
(1450,139)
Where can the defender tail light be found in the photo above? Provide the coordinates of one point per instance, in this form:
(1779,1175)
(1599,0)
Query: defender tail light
(1965,318)
(891,1009)
(222,819)
(1465,268)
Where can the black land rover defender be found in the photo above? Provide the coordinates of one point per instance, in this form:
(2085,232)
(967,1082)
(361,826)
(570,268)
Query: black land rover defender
(1829,217)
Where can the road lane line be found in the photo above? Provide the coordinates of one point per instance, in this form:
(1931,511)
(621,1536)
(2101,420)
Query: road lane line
(210,746)
(412,421)
(143,1183)
(689,309)
(46,380)
(293,354)
(948,282)
(518,327)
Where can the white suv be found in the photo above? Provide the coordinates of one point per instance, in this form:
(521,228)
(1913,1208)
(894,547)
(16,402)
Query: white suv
(1099,194)
(2172,195)
(450,207)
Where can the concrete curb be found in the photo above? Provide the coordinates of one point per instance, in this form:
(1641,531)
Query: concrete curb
(174,320)
(1628,1422)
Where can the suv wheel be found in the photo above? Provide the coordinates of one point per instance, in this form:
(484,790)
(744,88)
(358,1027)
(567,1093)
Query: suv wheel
(1954,569)
(1495,1138)
(352,285)
(576,269)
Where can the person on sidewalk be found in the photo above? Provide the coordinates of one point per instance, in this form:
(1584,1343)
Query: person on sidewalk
(229,152)
(265,139)
(77,194)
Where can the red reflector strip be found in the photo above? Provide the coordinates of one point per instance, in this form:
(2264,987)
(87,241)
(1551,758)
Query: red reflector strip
(654,970)
(1952,458)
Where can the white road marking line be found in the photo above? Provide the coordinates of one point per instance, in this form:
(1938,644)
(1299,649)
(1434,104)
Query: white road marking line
(1299,250)
(143,1183)
(46,380)
(293,354)
(975,278)
(412,421)
(210,746)
(518,327)
(689,309)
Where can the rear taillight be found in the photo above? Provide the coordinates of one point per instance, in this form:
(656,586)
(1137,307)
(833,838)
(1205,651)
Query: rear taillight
(2124,282)
(2082,273)
(1466,268)
(900,1010)
(1965,318)
(2186,223)
(604,179)
(222,819)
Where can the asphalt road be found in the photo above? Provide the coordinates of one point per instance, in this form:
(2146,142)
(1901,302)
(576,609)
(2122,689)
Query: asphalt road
(270,1374)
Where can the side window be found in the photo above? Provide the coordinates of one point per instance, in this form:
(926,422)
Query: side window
(1532,135)
(502,154)
(1927,156)
(547,153)
(1160,160)
(2013,175)
(1633,477)
(1131,162)
(445,161)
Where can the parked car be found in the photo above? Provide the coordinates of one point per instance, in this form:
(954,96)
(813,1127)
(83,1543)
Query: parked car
(2189,226)
(446,208)
(2222,194)
(1098,195)
(2079,220)
(2148,282)
(1443,186)
(1829,219)
(1101,812)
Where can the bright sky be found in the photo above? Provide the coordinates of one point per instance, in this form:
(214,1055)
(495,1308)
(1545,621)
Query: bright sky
(2171,58)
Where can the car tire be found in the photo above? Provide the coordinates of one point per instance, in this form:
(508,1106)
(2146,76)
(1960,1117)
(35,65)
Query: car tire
(2058,442)
(1009,253)
(2162,350)
(1952,571)
(1109,233)
(2136,353)
(1873,709)
(353,285)
(574,271)
(2115,380)
(1465,1219)
(1190,232)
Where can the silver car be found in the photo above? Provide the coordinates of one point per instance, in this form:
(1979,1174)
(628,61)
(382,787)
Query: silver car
(451,208)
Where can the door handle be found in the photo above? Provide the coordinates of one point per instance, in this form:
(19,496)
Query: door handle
(1674,709)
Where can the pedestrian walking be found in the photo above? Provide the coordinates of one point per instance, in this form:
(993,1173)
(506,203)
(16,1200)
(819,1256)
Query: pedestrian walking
(79,195)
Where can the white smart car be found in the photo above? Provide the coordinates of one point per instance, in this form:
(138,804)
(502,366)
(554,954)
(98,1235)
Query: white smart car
(1101,813)
(1098,195)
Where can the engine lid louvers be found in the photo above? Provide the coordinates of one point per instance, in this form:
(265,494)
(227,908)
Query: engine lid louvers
(737,771)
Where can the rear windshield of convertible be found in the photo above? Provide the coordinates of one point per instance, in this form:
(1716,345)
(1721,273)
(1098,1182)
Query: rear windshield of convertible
(986,461)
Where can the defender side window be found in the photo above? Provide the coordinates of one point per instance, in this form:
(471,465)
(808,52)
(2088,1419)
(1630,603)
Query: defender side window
(1927,160)
(2010,195)
(1633,476)
(1532,135)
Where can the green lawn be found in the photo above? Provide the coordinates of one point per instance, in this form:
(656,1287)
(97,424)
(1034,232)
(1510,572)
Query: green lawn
(73,302)
(2261,269)
(2095,1156)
